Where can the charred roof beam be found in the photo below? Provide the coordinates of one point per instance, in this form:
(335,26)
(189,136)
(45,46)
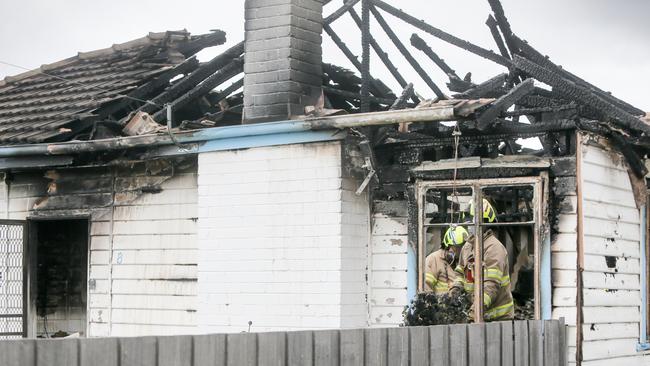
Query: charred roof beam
(581,94)
(421,45)
(468,46)
(383,56)
(504,25)
(503,103)
(492,24)
(192,80)
(374,87)
(535,56)
(229,71)
(407,55)
(484,88)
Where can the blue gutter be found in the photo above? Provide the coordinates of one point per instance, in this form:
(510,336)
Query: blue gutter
(245,142)
(643,339)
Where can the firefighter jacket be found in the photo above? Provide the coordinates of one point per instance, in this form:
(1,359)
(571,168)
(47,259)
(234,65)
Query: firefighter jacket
(439,274)
(497,296)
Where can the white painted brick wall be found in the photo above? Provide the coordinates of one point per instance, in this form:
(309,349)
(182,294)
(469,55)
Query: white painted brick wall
(283,240)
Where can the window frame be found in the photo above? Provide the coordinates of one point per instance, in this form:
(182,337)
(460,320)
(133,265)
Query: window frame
(540,199)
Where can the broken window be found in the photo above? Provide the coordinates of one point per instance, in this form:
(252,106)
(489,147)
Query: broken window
(502,216)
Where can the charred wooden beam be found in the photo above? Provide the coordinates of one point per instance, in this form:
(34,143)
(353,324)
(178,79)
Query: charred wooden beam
(374,88)
(421,45)
(551,109)
(197,43)
(581,94)
(407,55)
(535,56)
(484,88)
(214,80)
(340,11)
(145,91)
(502,104)
(459,85)
(468,46)
(193,79)
(504,25)
(492,24)
(356,96)
(225,93)
(401,101)
(383,56)
(478,173)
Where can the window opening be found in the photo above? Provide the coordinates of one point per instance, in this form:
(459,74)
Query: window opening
(499,220)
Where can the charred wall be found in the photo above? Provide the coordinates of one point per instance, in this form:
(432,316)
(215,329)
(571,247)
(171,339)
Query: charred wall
(142,251)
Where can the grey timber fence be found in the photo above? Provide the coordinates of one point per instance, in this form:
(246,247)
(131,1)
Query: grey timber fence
(521,343)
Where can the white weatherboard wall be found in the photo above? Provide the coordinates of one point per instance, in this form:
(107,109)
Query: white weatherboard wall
(142,260)
(283,240)
(388,263)
(612,290)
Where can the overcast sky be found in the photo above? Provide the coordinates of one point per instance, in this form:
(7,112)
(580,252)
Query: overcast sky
(607,42)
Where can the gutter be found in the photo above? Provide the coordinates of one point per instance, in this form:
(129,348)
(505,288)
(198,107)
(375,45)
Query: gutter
(432,114)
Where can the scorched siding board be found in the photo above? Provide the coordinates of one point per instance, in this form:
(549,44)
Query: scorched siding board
(612,287)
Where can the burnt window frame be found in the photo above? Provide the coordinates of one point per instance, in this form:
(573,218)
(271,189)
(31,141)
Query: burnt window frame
(539,223)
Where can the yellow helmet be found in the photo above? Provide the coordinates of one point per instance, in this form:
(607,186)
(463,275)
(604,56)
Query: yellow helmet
(455,235)
(489,213)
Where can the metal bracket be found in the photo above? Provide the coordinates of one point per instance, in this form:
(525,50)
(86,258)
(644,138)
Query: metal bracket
(371,174)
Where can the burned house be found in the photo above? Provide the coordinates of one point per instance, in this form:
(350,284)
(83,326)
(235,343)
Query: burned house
(145,193)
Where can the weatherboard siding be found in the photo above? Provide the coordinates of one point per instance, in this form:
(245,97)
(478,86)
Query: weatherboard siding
(388,263)
(611,277)
(143,245)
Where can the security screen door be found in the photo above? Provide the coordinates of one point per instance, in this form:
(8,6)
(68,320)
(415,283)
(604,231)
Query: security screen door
(12,286)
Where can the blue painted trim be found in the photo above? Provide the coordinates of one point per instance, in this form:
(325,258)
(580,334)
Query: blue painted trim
(643,340)
(546,286)
(411,274)
(642,347)
(245,142)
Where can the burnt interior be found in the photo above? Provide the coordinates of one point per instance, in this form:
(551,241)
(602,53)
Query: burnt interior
(61,248)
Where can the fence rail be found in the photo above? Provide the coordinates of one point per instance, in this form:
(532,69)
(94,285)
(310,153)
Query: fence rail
(521,343)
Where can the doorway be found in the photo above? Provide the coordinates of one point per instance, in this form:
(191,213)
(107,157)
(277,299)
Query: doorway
(58,251)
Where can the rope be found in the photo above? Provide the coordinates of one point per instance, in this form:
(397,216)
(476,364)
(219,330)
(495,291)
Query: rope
(454,192)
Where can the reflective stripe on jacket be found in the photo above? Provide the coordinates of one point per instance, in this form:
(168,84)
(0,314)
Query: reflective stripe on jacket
(438,276)
(497,296)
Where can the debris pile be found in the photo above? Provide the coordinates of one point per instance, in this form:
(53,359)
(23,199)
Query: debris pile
(429,308)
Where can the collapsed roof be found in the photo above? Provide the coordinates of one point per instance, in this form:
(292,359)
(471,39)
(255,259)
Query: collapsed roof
(95,95)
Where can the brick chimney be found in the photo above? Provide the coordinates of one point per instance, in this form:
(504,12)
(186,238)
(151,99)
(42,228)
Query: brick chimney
(283,71)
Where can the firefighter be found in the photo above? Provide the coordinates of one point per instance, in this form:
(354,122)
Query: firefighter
(439,266)
(497,296)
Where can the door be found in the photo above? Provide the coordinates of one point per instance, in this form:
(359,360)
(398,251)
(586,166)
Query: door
(12,286)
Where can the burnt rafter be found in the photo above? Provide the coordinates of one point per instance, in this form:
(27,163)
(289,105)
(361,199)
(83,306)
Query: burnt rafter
(535,56)
(581,94)
(468,46)
(407,55)
(421,45)
(503,103)
(383,56)
(485,88)
(192,80)
(494,29)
